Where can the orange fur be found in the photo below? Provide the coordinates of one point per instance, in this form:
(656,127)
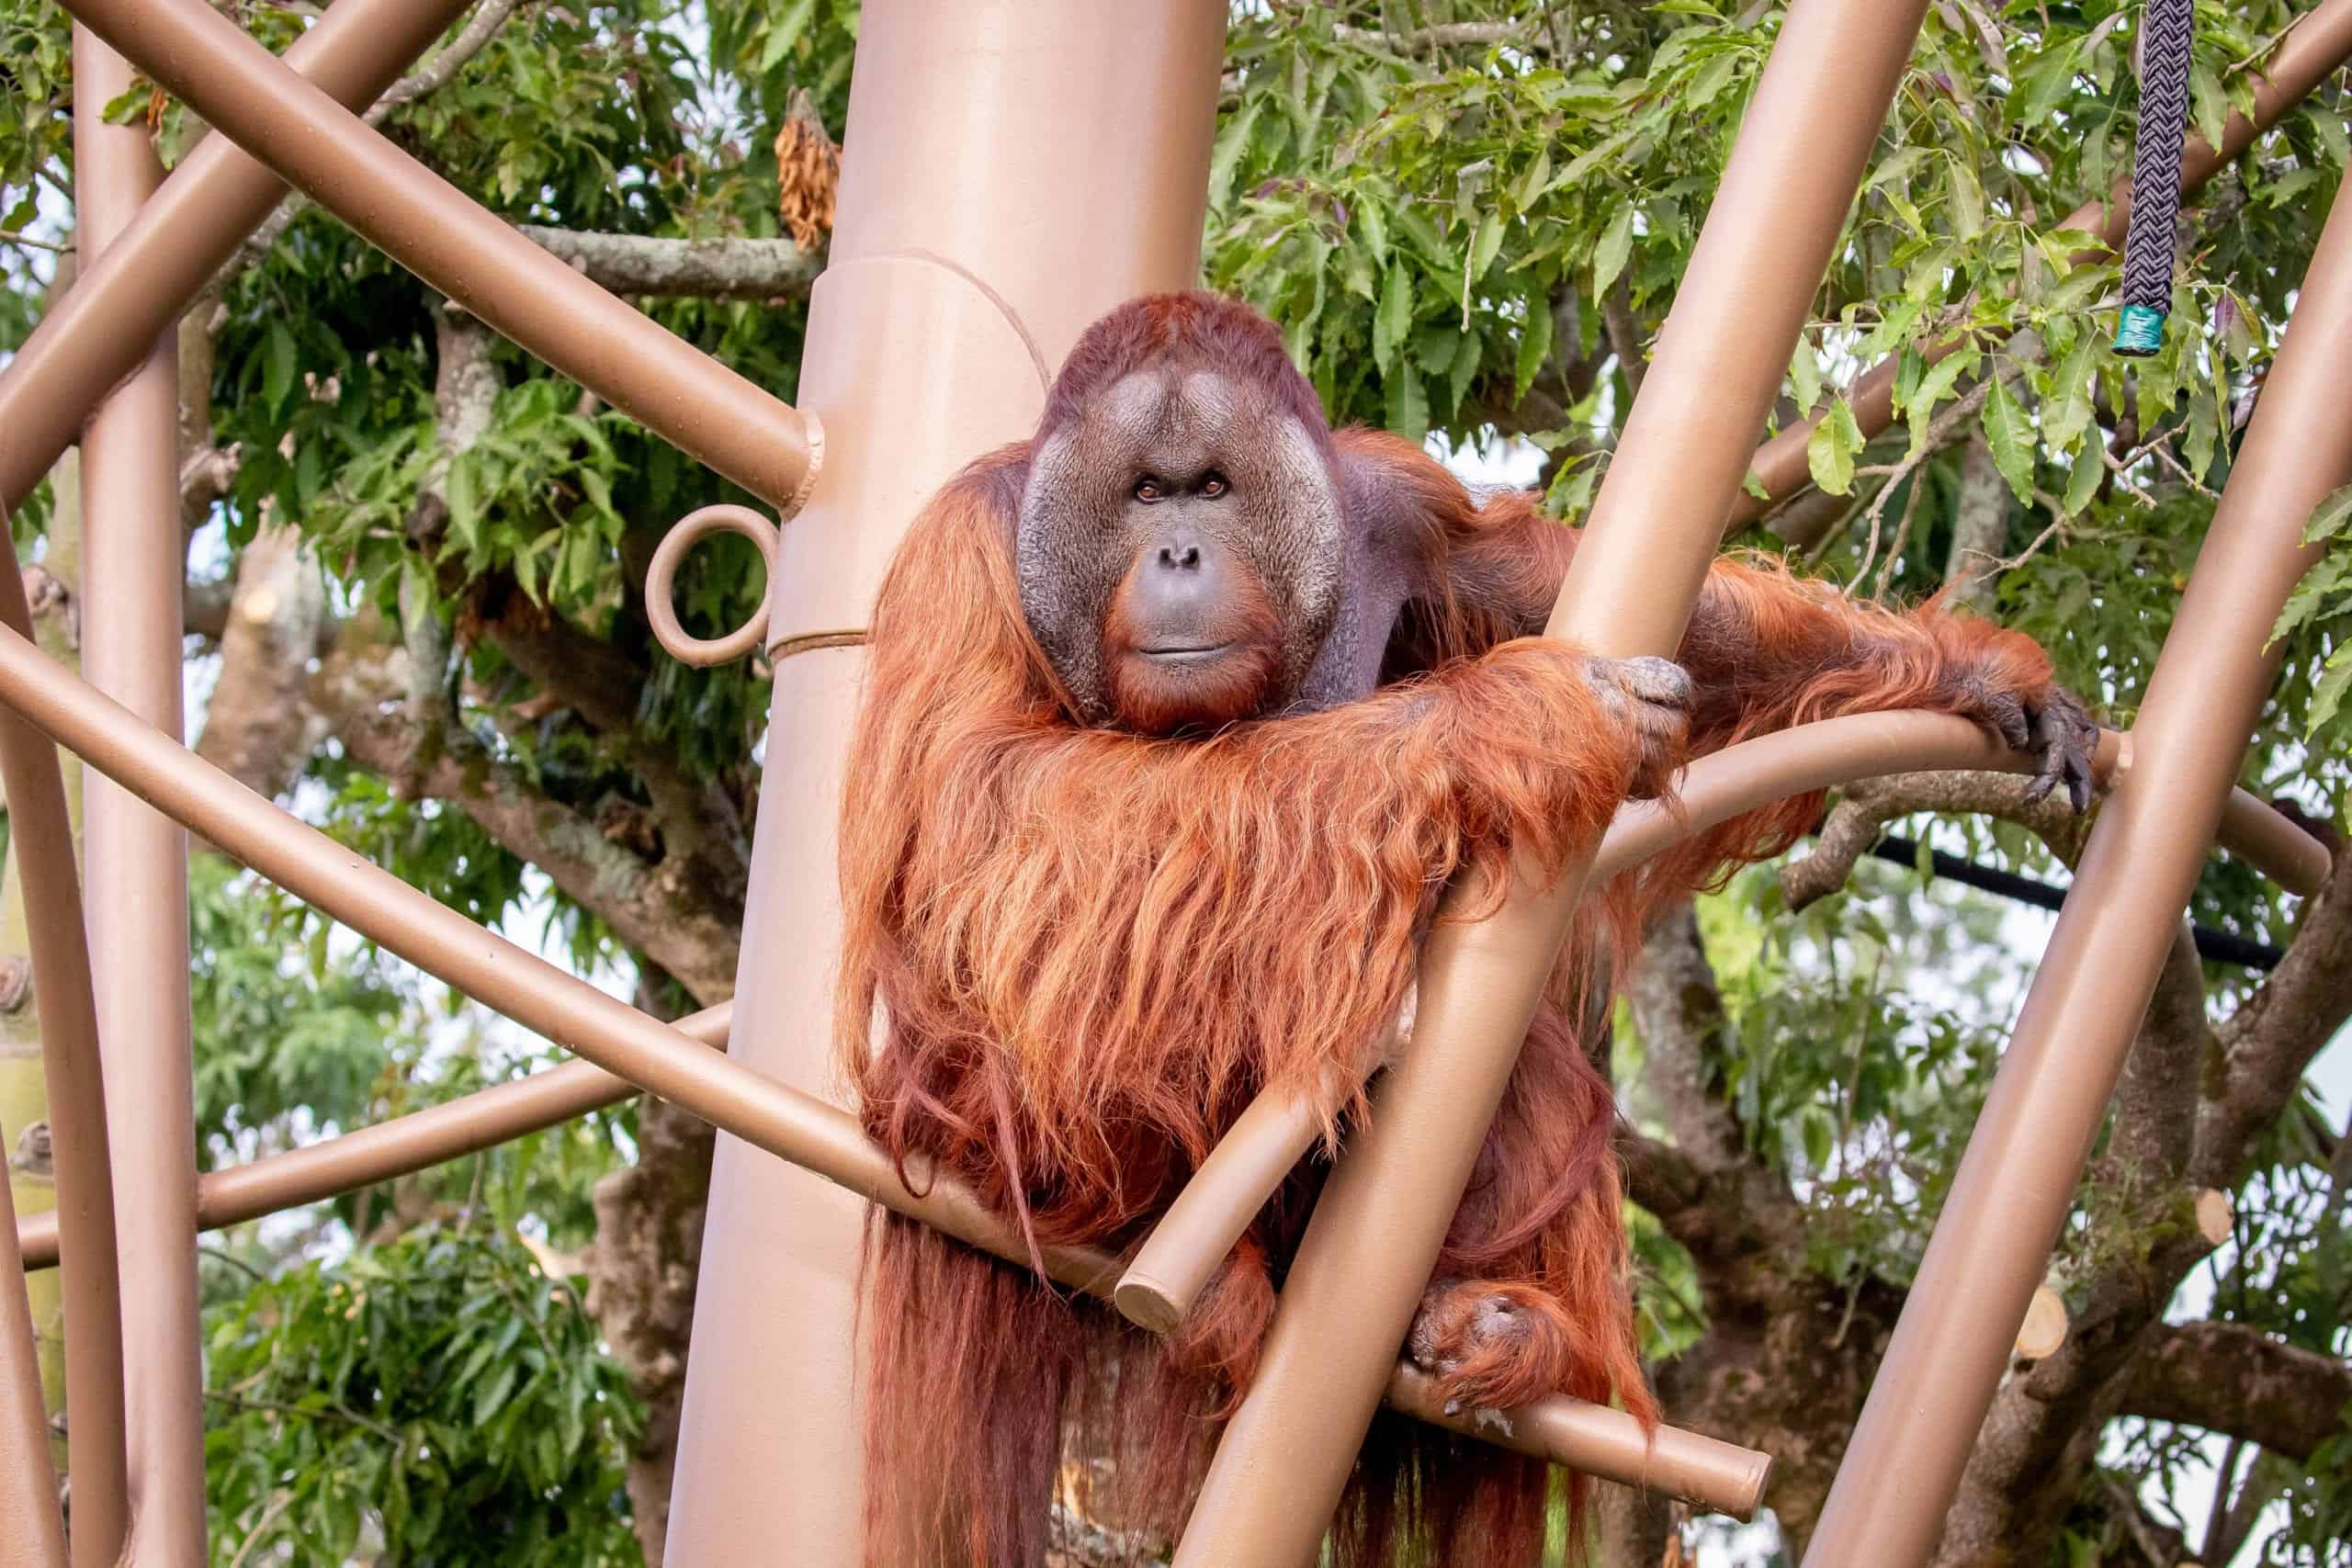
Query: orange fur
(1091,949)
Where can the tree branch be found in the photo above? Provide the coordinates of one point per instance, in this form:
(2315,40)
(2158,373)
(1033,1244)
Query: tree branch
(2270,1042)
(1426,40)
(2228,1378)
(1625,334)
(1711,1193)
(650,912)
(1680,1013)
(437,72)
(703,269)
(1863,811)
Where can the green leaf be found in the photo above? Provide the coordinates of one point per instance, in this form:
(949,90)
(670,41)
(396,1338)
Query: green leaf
(2066,412)
(1488,241)
(1709,80)
(2045,83)
(2329,124)
(277,366)
(1532,184)
(1593,158)
(1829,450)
(1819,1137)
(2208,106)
(1375,232)
(490,1397)
(1232,141)
(1610,254)
(2304,603)
(1394,318)
(1805,378)
(2329,516)
(1409,406)
(1897,166)
(2328,695)
(1534,339)
(784,32)
(2010,433)
(465,503)
(1935,384)
(2202,436)
(1967,200)
(2082,479)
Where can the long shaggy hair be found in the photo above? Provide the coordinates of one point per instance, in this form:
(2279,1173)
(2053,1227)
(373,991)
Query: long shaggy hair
(1073,955)
(1092,950)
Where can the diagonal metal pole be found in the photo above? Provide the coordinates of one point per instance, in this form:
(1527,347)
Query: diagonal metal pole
(2017,1182)
(782,1120)
(136,859)
(1368,1251)
(122,301)
(249,96)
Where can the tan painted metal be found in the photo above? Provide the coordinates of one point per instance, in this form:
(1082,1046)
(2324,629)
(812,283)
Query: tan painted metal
(1011,170)
(1176,1263)
(123,300)
(1718,1476)
(661,578)
(1367,1253)
(2017,1182)
(420,221)
(2315,46)
(136,860)
(40,840)
(29,1519)
(371,1154)
(656,1056)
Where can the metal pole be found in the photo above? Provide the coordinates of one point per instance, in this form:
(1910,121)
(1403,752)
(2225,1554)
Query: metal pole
(1349,1299)
(1011,170)
(2017,1182)
(40,840)
(2317,44)
(772,1116)
(1176,1262)
(124,299)
(29,1519)
(136,859)
(248,95)
(368,1156)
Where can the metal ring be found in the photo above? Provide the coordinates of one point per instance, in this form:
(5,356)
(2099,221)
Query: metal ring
(688,532)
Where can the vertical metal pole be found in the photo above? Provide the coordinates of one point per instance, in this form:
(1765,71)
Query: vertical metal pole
(2017,1182)
(1012,169)
(29,1521)
(132,567)
(1349,1299)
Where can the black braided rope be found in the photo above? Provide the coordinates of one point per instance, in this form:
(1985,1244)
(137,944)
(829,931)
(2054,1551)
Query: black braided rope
(2167,29)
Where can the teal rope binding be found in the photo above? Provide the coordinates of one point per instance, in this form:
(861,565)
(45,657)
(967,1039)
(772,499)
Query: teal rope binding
(2167,31)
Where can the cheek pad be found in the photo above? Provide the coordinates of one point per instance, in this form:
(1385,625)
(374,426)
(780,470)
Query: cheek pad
(1065,583)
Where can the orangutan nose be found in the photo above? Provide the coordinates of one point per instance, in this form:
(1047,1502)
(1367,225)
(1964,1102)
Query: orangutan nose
(1181,595)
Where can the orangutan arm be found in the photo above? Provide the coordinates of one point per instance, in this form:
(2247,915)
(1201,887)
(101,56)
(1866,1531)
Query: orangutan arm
(1767,650)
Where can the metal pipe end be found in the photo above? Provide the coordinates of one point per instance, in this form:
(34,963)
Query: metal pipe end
(1148,1304)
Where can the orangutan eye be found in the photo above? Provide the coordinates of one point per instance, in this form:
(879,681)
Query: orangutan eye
(1213,485)
(1148,488)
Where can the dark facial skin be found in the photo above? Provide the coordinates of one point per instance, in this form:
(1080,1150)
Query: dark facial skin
(1182,552)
